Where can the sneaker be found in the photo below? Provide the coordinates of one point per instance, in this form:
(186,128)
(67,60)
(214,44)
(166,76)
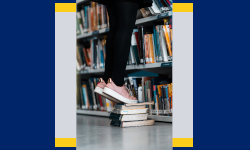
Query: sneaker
(119,93)
(99,90)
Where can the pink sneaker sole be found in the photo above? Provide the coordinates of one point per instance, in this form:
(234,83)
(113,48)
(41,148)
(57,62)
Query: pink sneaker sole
(99,90)
(117,96)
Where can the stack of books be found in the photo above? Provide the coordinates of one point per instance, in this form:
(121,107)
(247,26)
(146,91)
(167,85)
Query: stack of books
(130,115)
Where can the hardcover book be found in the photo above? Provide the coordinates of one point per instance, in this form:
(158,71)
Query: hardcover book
(132,124)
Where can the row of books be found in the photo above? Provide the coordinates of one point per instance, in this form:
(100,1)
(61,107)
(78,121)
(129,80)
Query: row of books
(89,100)
(149,46)
(145,89)
(91,53)
(158,6)
(91,18)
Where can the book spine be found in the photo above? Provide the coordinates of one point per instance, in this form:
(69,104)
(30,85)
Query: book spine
(163,46)
(132,56)
(155,43)
(84,98)
(155,99)
(159,44)
(151,49)
(82,105)
(105,17)
(167,100)
(146,48)
(93,94)
(142,85)
(83,18)
(167,31)
(100,101)
(78,14)
(134,47)
(89,18)
(140,94)
(143,43)
(86,19)
(159,97)
(131,80)
(162,99)
(162,8)
(140,44)
(96,95)
(135,87)
(155,7)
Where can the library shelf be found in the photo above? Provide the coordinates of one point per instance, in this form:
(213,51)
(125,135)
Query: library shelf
(106,114)
(138,22)
(130,67)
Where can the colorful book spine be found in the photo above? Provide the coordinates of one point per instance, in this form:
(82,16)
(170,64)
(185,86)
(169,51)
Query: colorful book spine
(155,44)
(163,45)
(159,50)
(146,43)
(151,49)
(155,99)
(167,31)
(86,19)
(135,87)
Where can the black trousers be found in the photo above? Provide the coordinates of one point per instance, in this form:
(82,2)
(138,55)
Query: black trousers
(122,17)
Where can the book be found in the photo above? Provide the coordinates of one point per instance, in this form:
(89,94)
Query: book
(163,46)
(134,117)
(86,26)
(132,124)
(86,55)
(78,32)
(144,13)
(167,37)
(155,7)
(159,49)
(156,98)
(146,45)
(83,18)
(130,111)
(135,47)
(80,22)
(123,106)
(132,56)
(140,94)
(151,49)
(140,44)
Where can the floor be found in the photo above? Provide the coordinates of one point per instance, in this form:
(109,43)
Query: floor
(95,133)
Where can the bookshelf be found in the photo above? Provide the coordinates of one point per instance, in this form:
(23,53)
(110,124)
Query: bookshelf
(163,68)
(139,22)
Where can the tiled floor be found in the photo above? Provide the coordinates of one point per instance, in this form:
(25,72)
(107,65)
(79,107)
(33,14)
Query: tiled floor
(95,133)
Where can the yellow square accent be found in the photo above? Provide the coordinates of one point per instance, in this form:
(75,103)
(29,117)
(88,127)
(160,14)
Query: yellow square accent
(182,7)
(65,142)
(107,104)
(65,7)
(182,142)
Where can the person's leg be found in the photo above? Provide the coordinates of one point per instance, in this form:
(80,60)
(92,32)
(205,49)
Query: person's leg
(110,42)
(125,17)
